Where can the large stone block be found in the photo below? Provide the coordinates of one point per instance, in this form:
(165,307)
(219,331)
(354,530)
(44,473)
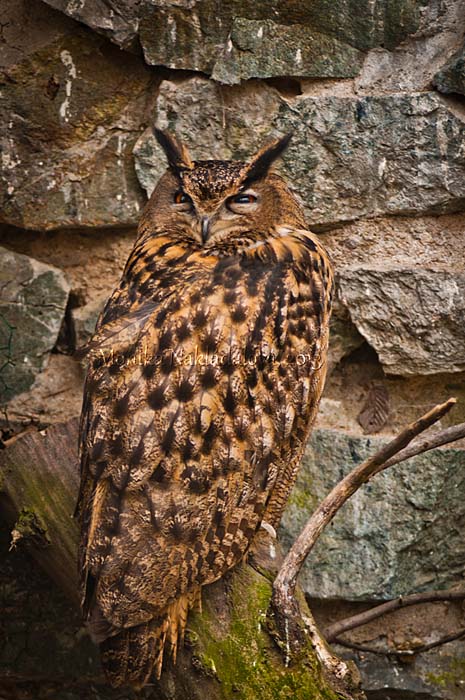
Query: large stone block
(235,48)
(402,532)
(349,157)
(237,40)
(33,299)
(397,154)
(412,317)
(70,114)
(84,319)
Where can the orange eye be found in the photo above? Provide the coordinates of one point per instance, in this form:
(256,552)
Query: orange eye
(240,203)
(181,197)
(244,199)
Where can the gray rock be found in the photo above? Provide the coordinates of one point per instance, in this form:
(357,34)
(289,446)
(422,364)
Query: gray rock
(85,317)
(249,48)
(349,158)
(365,24)
(344,337)
(412,317)
(318,39)
(265,49)
(118,20)
(398,534)
(33,299)
(451,78)
(398,154)
(70,115)
(433,675)
(410,67)
(238,40)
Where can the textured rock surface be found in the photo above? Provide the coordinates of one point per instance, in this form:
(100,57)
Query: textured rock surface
(412,64)
(436,674)
(451,78)
(239,40)
(118,20)
(250,48)
(344,337)
(395,536)
(70,115)
(348,158)
(33,299)
(84,319)
(375,155)
(197,36)
(413,318)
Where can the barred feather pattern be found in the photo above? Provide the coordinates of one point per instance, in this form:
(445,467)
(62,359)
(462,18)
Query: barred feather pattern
(204,379)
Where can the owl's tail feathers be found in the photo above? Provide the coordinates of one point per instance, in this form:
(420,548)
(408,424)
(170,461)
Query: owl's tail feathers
(134,654)
(130,657)
(177,614)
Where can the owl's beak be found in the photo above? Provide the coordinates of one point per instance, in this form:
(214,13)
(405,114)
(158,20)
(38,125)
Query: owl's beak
(205,227)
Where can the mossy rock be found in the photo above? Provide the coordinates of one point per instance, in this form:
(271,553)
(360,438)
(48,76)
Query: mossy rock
(233,653)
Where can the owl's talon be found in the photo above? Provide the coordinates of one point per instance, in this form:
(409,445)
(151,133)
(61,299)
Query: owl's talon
(269,528)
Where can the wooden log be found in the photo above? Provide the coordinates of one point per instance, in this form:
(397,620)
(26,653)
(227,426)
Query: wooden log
(39,481)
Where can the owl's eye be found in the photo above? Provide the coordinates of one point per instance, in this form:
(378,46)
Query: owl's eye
(242,202)
(181,197)
(243,199)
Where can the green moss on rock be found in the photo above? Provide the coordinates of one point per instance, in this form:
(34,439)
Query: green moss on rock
(453,678)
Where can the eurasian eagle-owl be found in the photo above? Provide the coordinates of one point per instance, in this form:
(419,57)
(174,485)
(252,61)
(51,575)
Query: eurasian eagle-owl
(205,375)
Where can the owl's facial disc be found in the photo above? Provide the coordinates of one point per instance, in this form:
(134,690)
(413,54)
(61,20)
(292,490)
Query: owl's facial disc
(230,214)
(209,217)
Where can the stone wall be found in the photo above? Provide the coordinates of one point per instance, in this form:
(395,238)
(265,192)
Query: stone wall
(374,92)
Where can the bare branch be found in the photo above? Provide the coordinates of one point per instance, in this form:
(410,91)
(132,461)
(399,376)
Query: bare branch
(373,613)
(429,442)
(284,606)
(403,652)
(286,579)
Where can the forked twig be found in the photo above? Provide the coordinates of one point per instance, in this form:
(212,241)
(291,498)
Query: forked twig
(284,605)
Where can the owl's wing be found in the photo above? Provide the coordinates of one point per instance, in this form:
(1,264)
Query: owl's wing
(183,437)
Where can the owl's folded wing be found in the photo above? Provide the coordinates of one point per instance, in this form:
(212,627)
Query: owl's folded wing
(184,436)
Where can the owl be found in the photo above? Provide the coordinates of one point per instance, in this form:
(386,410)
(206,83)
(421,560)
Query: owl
(205,374)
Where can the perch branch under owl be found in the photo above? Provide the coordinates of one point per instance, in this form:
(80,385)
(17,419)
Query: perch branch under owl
(284,605)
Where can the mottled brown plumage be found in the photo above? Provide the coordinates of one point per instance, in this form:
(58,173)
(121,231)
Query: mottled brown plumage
(205,374)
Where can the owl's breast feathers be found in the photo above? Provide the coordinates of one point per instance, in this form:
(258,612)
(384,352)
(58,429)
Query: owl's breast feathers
(205,377)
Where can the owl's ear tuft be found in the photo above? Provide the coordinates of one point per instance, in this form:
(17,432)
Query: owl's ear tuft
(260,164)
(176,153)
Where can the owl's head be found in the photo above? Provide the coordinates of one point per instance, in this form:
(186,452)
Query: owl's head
(215,202)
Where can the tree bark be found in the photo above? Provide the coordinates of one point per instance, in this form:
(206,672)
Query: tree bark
(232,649)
